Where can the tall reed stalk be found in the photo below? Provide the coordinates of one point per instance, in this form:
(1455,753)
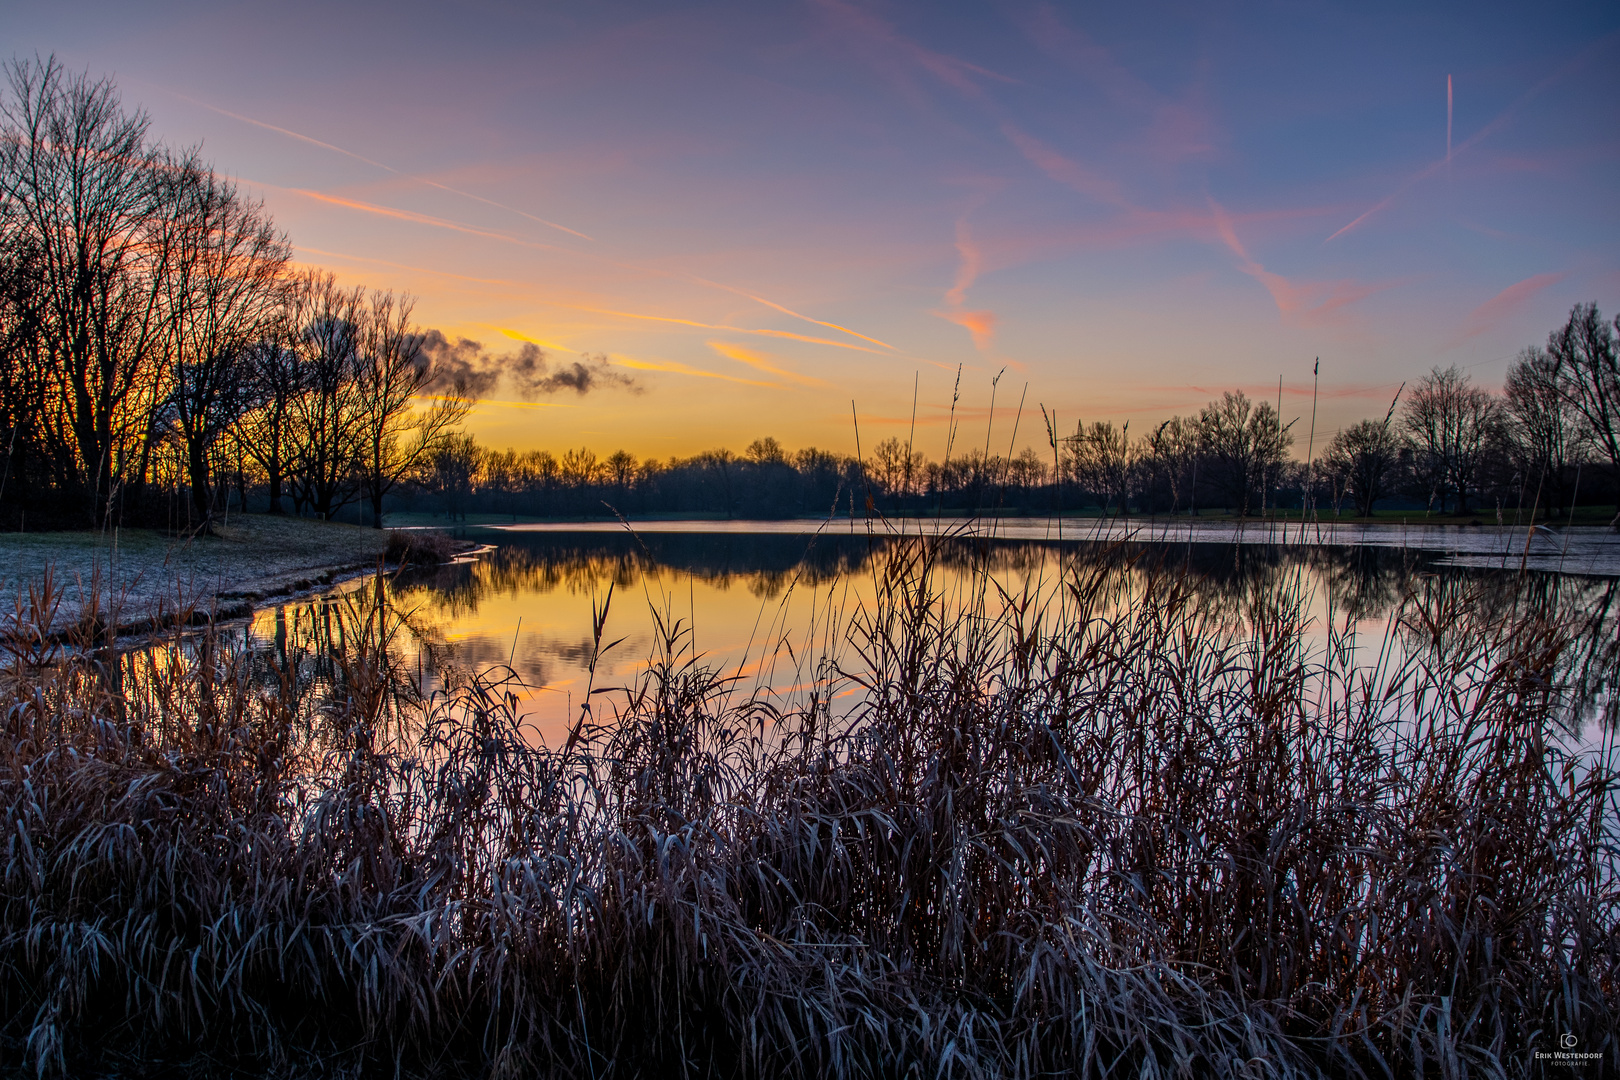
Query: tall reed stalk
(1063,832)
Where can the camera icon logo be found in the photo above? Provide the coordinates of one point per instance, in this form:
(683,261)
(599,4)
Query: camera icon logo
(1567,1041)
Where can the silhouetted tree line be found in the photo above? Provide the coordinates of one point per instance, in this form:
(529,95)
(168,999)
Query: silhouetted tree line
(1444,445)
(1232,455)
(157,351)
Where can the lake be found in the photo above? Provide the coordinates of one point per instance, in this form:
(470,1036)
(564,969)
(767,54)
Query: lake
(771,603)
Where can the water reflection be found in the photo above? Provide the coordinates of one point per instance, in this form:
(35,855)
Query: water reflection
(733,598)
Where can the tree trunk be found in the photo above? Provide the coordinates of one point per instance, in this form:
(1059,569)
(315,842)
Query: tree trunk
(275,489)
(197,470)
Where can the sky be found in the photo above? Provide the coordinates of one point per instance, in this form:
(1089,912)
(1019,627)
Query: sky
(824,220)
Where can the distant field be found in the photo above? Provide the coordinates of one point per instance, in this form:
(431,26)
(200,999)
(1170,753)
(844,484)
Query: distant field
(142,573)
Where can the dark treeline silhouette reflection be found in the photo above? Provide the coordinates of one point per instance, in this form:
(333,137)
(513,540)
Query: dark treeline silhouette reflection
(472,613)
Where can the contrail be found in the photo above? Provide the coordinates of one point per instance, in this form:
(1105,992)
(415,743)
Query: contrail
(789,311)
(686,369)
(762,362)
(1501,120)
(732,329)
(1448,117)
(377,164)
(442,223)
(420,219)
(416,269)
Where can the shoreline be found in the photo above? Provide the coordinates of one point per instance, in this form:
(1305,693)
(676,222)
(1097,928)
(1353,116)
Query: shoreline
(136,582)
(146,582)
(1581,549)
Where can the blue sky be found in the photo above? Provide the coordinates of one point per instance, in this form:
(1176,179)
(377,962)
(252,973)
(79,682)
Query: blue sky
(762,212)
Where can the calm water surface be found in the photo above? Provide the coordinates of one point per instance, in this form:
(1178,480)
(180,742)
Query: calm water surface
(766,601)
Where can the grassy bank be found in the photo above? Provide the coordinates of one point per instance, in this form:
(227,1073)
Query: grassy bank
(136,575)
(1079,833)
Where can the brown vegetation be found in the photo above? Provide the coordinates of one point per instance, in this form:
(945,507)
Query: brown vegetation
(1053,834)
(419,547)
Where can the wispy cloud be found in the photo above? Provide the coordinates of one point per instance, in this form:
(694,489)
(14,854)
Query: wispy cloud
(1309,303)
(1502,305)
(763,362)
(789,311)
(414,269)
(1064,170)
(967,267)
(884,348)
(1502,119)
(981,324)
(1131,221)
(676,368)
(504,404)
(1048,31)
(289,133)
(517,335)
(420,219)
(788,335)
(961,75)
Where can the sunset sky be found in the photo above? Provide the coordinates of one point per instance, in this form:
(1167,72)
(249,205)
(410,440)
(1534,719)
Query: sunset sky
(761,211)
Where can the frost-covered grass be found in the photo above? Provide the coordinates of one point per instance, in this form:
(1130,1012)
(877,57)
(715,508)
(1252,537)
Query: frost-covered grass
(1062,833)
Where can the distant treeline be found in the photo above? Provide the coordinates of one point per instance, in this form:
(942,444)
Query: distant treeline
(1444,445)
(161,362)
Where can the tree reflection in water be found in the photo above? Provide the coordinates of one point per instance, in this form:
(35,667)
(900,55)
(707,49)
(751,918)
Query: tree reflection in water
(512,606)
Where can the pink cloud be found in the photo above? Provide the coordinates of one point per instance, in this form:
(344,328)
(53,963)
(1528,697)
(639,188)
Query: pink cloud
(1180,130)
(967,269)
(1047,30)
(1064,170)
(1306,303)
(981,324)
(961,75)
(1503,304)
(1177,130)
(289,133)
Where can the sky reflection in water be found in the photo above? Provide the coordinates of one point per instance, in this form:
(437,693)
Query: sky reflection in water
(768,606)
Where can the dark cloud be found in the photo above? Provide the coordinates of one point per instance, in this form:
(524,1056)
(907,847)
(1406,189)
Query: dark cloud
(463,366)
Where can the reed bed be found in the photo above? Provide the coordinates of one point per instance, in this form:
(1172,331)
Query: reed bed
(1052,833)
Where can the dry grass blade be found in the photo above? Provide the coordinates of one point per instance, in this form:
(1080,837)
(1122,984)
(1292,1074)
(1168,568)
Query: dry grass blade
(1085,830)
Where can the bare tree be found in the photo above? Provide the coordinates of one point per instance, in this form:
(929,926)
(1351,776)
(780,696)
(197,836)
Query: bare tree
(1241,443)
(765,451)
(32,461)
(1025,472)
(453,472)
(1450,422)
(1172,452)
(620,470)
(1588,365)
(276,378)
(1100,459)
(1364,460)
(80,184)
(324,413)
(395,436)
(893,466)
(223,293)
(1546,434)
